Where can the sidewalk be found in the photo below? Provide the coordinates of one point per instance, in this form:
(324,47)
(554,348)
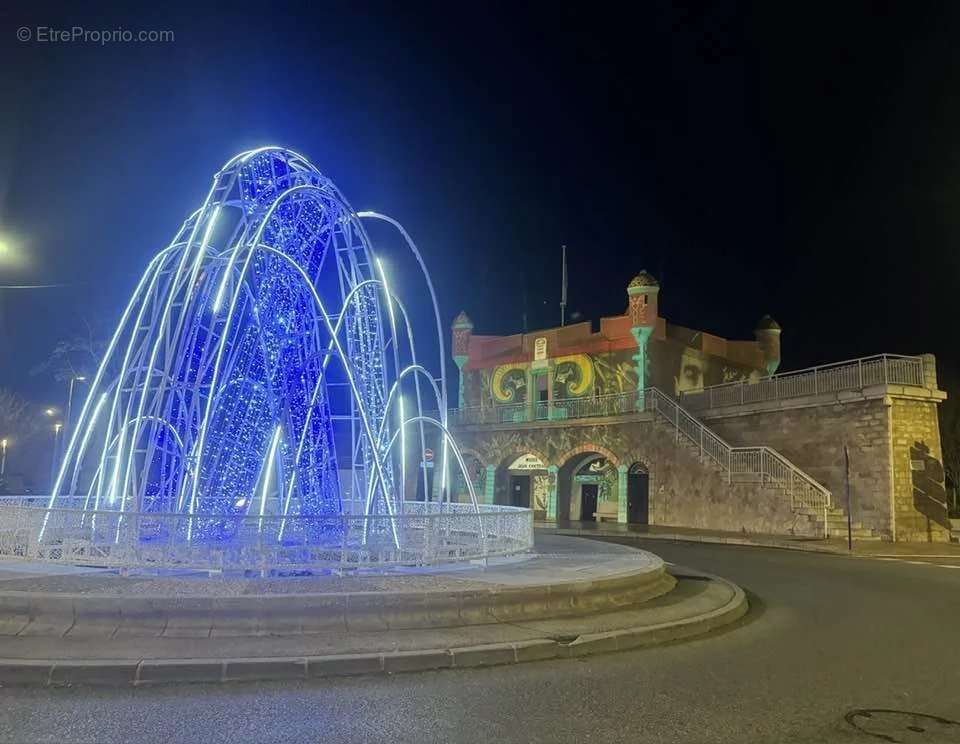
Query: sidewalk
(786,542)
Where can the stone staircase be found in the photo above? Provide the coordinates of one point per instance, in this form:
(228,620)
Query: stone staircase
(826,518)
(837,525)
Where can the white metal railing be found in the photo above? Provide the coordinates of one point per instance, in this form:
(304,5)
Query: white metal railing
(761,465)
(552,410)
(853,374)
(429,533)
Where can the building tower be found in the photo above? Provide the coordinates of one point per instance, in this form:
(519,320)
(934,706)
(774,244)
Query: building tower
(462,329)
(642,295)
(768,339)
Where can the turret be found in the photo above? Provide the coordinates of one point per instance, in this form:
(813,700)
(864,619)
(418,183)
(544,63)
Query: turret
(768,339)
(642,294)
(462,329)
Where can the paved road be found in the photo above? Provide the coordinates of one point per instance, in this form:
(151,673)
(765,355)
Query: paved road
(826,635)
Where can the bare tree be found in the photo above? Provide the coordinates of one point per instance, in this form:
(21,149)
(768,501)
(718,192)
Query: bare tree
(14,412)
(28,433)
(78,355)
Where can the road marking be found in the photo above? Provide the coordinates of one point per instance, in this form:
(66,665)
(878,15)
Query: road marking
(915,563)
(914,555)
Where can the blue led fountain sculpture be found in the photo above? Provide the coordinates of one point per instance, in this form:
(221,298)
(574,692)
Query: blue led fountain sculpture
(261,403)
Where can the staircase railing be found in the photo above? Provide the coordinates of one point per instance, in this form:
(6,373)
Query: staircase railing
(761,465)
(853,374)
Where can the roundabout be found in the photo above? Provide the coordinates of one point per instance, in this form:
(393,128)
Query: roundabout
(570,598)
(832,649)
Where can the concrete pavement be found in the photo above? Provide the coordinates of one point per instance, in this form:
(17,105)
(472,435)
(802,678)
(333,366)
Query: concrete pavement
(827,636)
(948,552)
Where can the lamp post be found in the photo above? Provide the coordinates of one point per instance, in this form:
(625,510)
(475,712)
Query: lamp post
(73,380)
(3,456)
(53,457)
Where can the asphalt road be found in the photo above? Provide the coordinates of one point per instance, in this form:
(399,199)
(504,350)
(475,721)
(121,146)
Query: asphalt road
(827,636)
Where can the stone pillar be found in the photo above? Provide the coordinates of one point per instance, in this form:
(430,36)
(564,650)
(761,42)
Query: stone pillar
(462,330)
(622,494)
(489,484)
(642,308)
(642,336)
(549,390)
(929,371)
(553,475)
(531,395)
(767,334)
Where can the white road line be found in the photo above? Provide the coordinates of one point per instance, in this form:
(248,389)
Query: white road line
(915,555)
(914,563)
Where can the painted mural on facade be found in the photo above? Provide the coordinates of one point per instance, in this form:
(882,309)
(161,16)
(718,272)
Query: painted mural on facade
(674,367)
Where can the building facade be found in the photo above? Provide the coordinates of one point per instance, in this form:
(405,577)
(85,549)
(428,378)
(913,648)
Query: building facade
(647,422)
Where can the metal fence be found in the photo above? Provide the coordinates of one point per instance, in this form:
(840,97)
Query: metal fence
(854,374)
(558,409)
(425,534)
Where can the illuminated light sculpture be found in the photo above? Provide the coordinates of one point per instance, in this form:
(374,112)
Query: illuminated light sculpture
(261,401)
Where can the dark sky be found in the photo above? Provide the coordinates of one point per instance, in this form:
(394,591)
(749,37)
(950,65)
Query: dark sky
(801,162)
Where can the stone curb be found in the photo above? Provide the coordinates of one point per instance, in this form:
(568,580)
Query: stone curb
(141,672)
(809,547)
(27,613)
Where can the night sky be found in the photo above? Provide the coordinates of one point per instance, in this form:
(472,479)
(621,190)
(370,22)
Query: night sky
(805,163)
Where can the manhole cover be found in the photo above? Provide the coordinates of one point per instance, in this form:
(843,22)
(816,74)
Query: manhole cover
(904,726)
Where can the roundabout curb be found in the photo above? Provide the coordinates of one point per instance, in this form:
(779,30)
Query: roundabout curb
(60,672)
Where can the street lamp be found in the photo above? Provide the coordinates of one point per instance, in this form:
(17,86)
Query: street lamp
(51,412)
(54,455)
(3,456)
(73,380)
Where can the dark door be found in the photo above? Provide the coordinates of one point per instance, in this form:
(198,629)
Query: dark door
(520,490)
(638,498)
(588,501)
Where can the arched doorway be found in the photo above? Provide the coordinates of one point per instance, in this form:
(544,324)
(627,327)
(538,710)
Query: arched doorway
(638,494)
(587,488)
(524,482)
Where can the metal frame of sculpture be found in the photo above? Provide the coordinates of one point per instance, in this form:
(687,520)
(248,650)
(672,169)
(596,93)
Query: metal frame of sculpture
(262,370)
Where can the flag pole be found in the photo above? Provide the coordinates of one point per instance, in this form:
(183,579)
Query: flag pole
(563,290)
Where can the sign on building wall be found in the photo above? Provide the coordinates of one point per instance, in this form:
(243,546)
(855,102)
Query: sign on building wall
(528,462)
(540,349)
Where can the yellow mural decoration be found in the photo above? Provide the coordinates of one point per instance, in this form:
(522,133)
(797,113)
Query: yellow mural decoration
(584,366)
(509,383)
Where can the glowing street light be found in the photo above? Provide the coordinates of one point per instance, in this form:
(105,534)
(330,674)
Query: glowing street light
(51,412)
(57,427)
(3,456)
(73,381)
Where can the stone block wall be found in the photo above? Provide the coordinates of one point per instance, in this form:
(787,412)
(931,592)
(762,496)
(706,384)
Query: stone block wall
(884,434)
(684,492)
(920,501)
(812,437)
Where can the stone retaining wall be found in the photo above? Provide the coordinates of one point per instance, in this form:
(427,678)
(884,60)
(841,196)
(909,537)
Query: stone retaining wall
(884,433)
(684,492)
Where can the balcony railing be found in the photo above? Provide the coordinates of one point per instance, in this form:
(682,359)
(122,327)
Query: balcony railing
(559,409)
(854,374)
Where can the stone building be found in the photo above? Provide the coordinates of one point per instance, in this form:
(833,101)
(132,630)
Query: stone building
(644,421)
